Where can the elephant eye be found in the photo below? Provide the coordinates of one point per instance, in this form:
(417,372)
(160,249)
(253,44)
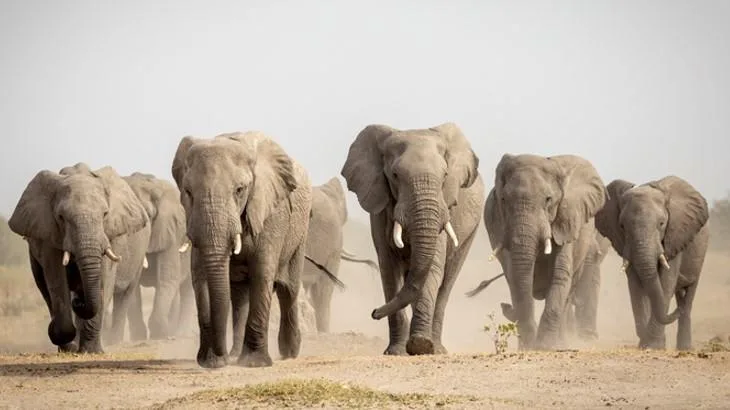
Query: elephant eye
(548,200)
(106,213)
(239,190)
(187,192)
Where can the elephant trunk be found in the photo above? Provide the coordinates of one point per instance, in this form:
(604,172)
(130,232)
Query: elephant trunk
(92,301)
(647,270)
(425,226)
(214,266)
(525,239)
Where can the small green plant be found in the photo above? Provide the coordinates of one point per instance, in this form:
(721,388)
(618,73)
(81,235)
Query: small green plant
(501,332)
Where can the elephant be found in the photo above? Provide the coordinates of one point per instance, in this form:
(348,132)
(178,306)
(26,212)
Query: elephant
(583,307)
(537,204)
(324,247)
(86,234)
(424,194)
(169,261)
(661,231)
(247,206)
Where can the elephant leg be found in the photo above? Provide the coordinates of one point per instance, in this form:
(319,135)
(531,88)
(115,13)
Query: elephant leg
(586,298)
(255,351)
(685,297)
(392,277)
(239,302)
(556,301)
(137,326)
(639,306)
(122,300)
(173,318)
(187,308)
(454,263)
(167,270)
(321,298)
(290,337)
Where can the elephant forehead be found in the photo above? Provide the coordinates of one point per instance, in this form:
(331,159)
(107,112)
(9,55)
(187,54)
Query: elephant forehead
(526,180)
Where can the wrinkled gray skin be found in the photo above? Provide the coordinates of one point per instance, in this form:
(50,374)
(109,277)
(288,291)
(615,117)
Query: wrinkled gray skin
(660,230)
(539,217)
(325,247)
(168,269)
(583,307)
(95,217)
(247,206)
(416,184)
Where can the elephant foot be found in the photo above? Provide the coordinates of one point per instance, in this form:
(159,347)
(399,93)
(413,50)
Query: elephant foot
(255,358)
(588,335)
(68,348)
(395,350)
(91,348)
(137,335)
(209,360)
(236,350)
(418,345)
(290,341)
(440,349)
(652,345)
(61,334)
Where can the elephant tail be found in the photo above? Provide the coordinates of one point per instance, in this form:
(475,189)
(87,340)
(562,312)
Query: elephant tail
(483,285)
(326,271)
(351,257)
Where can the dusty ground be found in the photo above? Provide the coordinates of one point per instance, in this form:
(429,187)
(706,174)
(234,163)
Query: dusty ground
(346,368)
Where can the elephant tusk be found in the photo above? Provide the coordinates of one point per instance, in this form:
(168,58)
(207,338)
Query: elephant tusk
(184,248)
(495,252)
(548,246)
(397,235)
(66,258)
(625,265)
(237,244)
(452,234)
(145,264)
(663,260)
(111,255)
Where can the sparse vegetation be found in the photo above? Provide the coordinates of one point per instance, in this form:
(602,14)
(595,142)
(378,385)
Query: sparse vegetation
(320,393)
(501,332)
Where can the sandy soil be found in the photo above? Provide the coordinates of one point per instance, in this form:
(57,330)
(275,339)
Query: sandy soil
(608,373)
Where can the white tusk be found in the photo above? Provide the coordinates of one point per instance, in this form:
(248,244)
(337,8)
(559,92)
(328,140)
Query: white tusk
(397,235)
(145,264)
(237,244)
(625,265)
(663,260)
(494,254)
(111,255)
(452,234)
(548,246)
(66,258)
(184,248)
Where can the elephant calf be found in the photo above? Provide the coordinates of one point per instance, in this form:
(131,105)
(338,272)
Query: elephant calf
(86,233)
(424,194)
(325,248)
(660,230)
(168,269)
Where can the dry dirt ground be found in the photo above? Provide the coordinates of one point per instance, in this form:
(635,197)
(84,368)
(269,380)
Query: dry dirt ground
(346,369)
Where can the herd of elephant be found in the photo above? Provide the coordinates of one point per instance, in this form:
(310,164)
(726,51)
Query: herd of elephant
(245,222)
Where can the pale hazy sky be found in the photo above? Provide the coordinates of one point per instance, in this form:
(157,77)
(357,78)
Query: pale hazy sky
(641,88)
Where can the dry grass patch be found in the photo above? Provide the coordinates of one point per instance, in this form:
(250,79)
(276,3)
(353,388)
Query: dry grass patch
(317,393)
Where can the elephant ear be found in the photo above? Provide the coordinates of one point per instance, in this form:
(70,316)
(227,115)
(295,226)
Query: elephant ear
(126,213)
(363,169)
(607,218)
(33,216)
(161,201)
(274,178)
(493,220)
(583,195)
(688,213)
(333,190)
(462,162)
(179,163)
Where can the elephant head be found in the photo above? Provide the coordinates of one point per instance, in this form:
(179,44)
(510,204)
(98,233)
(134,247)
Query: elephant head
(414,176)
(161,201)
(80,212)
(649,225)
(229,186)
